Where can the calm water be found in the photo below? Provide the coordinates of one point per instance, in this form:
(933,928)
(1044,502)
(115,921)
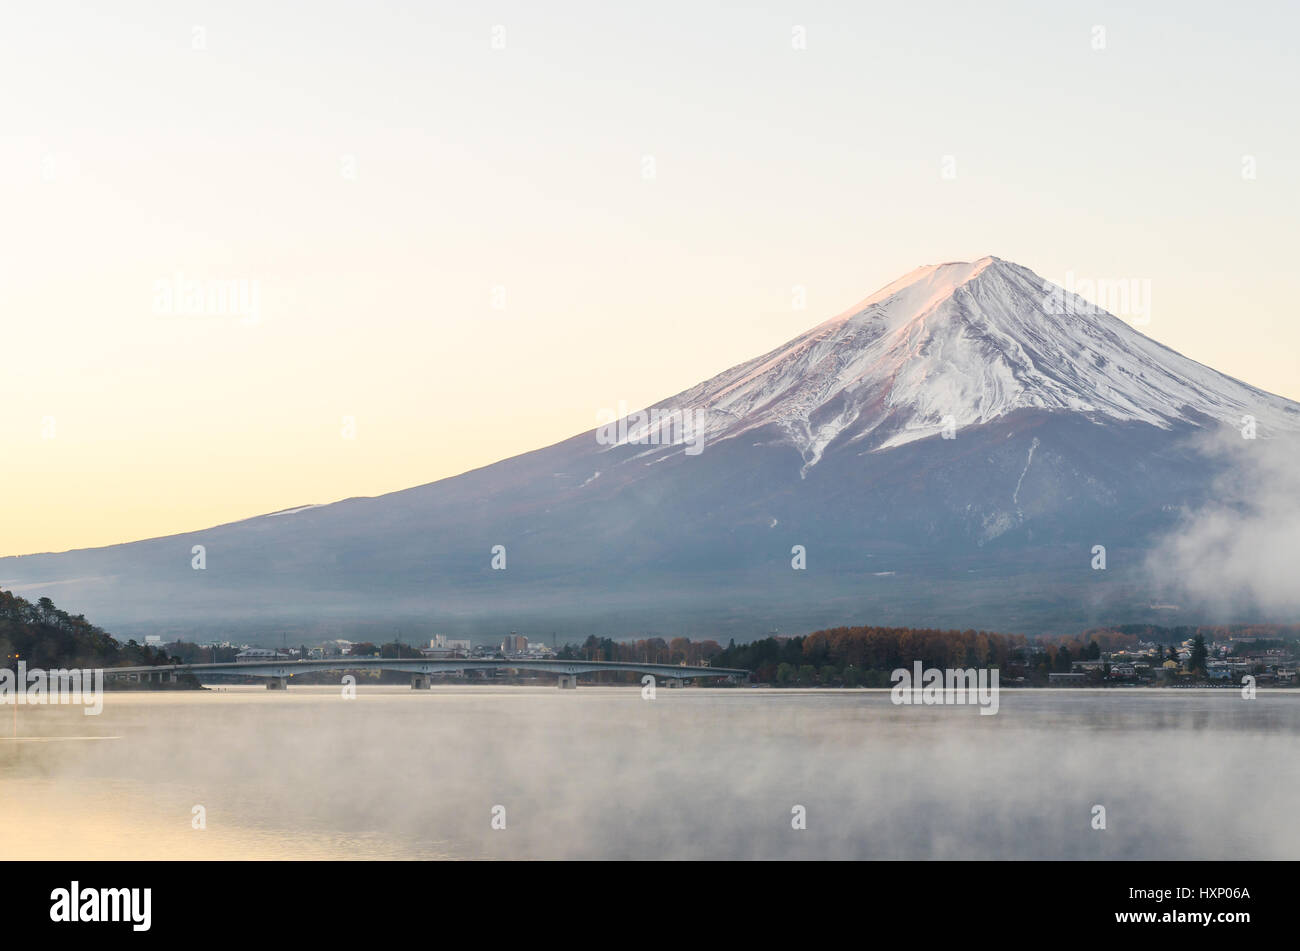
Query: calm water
(599,772)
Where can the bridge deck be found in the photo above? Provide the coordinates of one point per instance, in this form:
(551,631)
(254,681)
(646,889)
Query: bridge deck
(289,668)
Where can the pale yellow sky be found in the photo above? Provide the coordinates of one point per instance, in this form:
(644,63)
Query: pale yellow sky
(459,246)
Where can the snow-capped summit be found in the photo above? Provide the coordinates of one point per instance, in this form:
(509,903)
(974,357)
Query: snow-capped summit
(963,343)
(1072,431)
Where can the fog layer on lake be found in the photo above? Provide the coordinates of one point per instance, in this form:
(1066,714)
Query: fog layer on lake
(694,773)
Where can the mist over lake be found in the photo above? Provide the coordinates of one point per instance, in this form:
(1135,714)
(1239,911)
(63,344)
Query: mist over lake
(695,773)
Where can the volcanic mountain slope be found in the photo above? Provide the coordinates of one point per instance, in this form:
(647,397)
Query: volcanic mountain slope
(966,343)
(947,452)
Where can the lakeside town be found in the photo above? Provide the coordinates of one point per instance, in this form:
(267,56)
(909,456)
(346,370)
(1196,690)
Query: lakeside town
(1190,661)
(1222,659)
(440,647)
(1136,655)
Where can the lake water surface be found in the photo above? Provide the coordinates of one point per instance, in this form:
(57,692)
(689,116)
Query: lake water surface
(695,773)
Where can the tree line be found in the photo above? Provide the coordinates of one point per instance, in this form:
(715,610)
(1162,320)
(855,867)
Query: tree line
(46,637)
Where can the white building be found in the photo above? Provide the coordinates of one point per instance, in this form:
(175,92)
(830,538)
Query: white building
(443,642)
(253,655)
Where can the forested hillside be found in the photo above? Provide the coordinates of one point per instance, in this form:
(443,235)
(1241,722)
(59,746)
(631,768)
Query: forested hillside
(46,637)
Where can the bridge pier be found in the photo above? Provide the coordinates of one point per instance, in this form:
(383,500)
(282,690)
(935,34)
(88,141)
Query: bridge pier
(278,683)
(419,681)
(568,682)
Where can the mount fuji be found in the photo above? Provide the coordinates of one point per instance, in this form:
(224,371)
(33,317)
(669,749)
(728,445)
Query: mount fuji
(948,452)
(967,343)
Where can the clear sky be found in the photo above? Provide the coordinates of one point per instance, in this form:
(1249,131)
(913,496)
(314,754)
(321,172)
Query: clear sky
(469,227)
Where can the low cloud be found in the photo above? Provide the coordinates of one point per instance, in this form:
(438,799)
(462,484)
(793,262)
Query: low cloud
(1237,555)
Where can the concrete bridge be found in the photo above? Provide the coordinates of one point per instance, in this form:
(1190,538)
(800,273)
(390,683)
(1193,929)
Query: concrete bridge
(278,672)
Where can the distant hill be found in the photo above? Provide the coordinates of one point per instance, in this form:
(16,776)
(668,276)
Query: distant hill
(48,638)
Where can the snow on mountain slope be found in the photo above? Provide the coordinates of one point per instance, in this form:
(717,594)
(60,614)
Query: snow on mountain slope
(966,343)
(1087,437)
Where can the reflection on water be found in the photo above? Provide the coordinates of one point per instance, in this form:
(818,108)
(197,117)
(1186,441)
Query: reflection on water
(599,772)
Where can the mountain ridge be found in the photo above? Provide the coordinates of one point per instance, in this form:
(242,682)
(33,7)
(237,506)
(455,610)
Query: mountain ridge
(931,370)
(833,442)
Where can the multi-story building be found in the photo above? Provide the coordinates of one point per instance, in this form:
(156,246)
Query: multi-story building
(443,642)
(253,655)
